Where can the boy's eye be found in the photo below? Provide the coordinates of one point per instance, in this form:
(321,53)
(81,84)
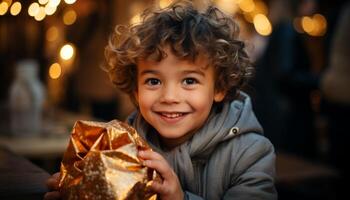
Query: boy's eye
(152,81)
(190,81)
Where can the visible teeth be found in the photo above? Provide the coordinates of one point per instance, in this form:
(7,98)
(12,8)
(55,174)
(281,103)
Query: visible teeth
(172,115)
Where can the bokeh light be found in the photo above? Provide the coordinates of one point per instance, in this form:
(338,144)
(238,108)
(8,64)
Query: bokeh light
(67,52)
(43,2)
(16,8)
(41,14)
(228,6)
(55,71)
(3,8)
(33,9)
(70,1)
(52,34)
(262,25)
(50,9)
(246,5)
(69,17)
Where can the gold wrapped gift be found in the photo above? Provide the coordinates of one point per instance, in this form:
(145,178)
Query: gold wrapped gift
(101,163)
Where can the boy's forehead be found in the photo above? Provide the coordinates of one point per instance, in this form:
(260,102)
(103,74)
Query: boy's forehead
(201,58)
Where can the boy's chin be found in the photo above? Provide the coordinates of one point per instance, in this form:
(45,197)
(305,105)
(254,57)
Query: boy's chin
(173,139)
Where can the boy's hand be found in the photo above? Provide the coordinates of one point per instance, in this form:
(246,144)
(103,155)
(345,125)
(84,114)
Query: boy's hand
(52,184)
(169,188)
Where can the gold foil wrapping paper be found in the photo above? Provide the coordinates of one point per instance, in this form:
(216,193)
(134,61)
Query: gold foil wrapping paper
(101,163)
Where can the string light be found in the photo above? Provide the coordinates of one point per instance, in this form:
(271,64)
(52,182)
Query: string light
(69,17)
(3,8)
(262,25)
(67,52)
(41,14)
(43,2)
(69,1)
(38,9)
(50,9)
(16,8)
(315,25)
(55,71)
(33,9)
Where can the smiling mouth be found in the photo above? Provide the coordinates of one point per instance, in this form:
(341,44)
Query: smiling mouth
(172,115)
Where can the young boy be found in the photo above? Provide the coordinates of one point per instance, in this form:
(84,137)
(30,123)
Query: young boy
(183,69)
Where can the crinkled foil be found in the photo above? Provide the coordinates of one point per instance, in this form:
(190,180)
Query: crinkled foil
(101,163)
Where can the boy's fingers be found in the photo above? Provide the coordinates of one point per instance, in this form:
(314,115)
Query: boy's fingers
(56,175)
(52,182)
(156,161)
(156,187)
(150,155)
(161,167)
(52,195)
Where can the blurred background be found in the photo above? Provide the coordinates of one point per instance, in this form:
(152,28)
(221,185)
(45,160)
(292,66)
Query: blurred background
(52,54)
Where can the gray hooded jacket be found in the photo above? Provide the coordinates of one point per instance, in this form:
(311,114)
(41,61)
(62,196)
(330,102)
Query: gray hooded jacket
(228,158)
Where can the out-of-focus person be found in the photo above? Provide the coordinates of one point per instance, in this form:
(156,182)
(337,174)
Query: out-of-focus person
(335,105)
(284,76)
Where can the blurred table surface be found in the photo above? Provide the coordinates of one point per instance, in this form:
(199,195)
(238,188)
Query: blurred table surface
(19,178)
(50,143)
(36,147)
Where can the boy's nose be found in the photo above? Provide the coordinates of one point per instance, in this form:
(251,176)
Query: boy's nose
(170,94)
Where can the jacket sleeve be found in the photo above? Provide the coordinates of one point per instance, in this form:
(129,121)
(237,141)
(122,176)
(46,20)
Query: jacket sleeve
(253,170)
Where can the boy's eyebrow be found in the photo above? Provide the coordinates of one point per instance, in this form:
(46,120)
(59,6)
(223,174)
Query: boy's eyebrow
(194,72)
(150,71)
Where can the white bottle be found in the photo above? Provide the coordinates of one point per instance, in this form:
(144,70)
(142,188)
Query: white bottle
(26,100)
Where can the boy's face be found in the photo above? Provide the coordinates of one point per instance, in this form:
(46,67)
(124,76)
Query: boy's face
(175,96)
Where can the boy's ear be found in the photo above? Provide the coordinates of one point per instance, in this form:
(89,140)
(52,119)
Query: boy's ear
(219,96)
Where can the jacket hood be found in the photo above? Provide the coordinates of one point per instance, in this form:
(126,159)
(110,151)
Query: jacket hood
(234,118)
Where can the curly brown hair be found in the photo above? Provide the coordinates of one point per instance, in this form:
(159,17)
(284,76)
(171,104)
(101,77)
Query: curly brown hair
(188,32)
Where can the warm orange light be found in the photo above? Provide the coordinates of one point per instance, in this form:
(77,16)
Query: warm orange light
(50,9)
(247,5)
(260,8)
(69,17)
(228,6)
(9,2)
(67,52)
(3,8)
(262,25)
(43,2)
(33,9)
(321,25)
(164,3)
(249,16)
(52,34)
(308,24)
(297,25)
(16,8)
(315,25)
(55,71)
(70,1)
(54,2)
(41,14)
